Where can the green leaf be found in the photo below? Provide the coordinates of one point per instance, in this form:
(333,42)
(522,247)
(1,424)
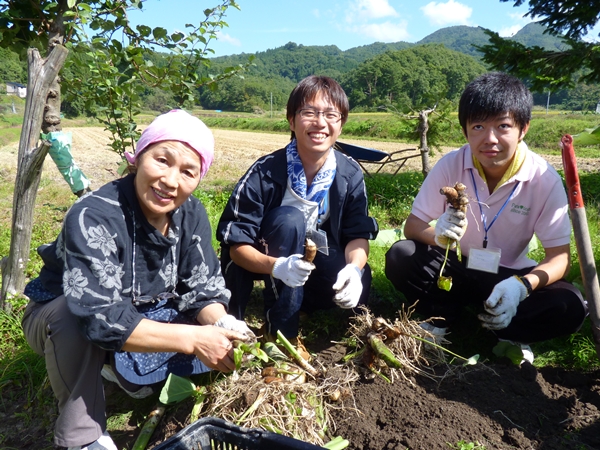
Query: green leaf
(472,361)
(290,397)
(510,351)
(238,355)
(122,167)
(258,352)
(159,33)
(176,389)
(588,137)
(71,3)
(444,283)
(273,352)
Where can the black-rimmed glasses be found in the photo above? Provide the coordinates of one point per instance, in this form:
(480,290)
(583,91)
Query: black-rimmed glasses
(147,299)
(313,114)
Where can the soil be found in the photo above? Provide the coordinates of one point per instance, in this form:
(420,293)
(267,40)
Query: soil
(494,403)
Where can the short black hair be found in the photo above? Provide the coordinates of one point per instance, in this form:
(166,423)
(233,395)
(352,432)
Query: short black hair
(308,88)
(492,94)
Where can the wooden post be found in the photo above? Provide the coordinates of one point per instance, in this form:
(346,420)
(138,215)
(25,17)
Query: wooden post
(42,74)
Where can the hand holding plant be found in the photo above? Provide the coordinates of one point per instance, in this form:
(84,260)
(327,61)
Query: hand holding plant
(451,226)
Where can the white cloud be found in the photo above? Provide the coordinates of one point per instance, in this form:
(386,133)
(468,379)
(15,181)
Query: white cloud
(519,17)
(224,37)
(510,31)
(449,13)
(364,10)
(316,13)
(384,32)
(519,21)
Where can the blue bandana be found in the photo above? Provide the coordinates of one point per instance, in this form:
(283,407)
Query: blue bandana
(322,181)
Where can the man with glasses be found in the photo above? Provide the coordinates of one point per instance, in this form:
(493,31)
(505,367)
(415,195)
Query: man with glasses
(306,189)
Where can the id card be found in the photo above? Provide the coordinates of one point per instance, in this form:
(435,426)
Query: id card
(484,259)
(319,237)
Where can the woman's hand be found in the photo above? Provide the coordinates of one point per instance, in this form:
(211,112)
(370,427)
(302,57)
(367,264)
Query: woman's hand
(212,345)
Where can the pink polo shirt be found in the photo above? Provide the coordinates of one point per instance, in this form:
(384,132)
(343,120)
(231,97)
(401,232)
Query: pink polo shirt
(538,205)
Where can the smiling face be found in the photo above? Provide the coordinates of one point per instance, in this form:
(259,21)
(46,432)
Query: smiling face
(315,137)
(494,142)
(167,174)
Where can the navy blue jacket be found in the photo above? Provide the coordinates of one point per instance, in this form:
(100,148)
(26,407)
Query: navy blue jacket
(263,186)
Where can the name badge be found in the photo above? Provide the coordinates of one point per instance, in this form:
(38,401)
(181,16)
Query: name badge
(484,259)
(319,237)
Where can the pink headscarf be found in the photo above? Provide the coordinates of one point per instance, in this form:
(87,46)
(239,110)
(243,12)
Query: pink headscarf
(178,125)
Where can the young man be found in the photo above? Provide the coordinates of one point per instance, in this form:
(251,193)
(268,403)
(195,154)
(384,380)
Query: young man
(513,195)
(304,189)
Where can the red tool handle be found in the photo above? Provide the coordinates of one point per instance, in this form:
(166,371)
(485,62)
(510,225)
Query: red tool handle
(571,174)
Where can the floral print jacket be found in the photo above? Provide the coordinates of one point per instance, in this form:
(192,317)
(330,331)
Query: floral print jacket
(108,255)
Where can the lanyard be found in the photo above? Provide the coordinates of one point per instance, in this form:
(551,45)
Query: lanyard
(483,219)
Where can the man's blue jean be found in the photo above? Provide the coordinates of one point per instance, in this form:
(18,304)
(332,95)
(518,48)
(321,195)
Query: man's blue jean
(283,233)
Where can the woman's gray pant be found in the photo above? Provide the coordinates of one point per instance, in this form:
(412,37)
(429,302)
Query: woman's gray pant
(74,365)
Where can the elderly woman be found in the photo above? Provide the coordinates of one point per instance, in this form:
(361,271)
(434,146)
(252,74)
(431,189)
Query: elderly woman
(132,289)
(306,189)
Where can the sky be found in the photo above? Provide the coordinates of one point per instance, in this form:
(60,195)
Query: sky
(260,25)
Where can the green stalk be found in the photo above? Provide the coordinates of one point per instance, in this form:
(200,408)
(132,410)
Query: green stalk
(200,396)
(445,257)
(297,356)
(378,373)
(468,361)
(445,283)
(337,443)
(253,407)
(383,351)
(149,426)
(352,355)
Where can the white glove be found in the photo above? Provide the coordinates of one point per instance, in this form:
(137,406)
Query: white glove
(450,227)
(502,303)
(348,287)
(231,323)
(293,270)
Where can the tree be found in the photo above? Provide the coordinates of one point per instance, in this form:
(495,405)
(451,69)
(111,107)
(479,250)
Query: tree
(118,59)
(412,79)
(11,68)
(417,84)
(551,69)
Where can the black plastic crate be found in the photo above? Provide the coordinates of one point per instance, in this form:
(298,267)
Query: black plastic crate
(212,433)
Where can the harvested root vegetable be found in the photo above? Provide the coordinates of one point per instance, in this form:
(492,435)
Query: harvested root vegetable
(269,380)
(457,198)
(284,372)
(310,250)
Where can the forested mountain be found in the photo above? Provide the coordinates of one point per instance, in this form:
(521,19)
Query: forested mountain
(410,79)
(532,34)
(277,70)
(295,61)
(460,38)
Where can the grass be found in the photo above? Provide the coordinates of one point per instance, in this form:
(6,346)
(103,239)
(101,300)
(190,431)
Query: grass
(22,372)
